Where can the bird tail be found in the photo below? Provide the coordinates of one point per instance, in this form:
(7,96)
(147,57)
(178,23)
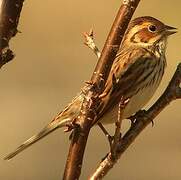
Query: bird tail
(66,116)
(44,132)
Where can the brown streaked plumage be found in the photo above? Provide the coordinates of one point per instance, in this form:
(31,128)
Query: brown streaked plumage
(137,72)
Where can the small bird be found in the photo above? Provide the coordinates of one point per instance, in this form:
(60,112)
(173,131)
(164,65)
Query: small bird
(136,73)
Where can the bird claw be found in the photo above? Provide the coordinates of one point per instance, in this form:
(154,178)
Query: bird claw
(133,120)
(139,115)
(70,126)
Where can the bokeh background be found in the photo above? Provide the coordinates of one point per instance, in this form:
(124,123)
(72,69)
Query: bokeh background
(51,65)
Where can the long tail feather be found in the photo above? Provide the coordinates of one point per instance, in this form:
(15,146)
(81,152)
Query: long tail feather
(67,115)
(44,132)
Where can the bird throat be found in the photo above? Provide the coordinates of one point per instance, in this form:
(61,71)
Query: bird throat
(160,48)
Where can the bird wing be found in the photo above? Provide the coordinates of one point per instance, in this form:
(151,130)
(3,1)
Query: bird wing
(129,69)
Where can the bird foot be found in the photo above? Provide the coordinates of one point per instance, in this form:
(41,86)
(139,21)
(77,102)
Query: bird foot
(71,125)
(139,115)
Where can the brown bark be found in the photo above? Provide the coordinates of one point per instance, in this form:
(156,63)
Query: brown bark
(98,79)
(9,17)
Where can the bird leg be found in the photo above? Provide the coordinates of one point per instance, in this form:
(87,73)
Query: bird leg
(108,136)
(117,135)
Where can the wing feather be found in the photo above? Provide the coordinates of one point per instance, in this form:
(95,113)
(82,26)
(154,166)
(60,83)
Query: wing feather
(129,70)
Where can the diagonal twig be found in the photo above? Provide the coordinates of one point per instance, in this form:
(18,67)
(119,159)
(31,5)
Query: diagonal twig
(98,79)
(116,138)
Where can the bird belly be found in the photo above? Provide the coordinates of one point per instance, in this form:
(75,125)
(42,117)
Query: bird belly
(137,102)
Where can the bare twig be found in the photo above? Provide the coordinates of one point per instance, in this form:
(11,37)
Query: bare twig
(98,79)
(89,41)
(143,118)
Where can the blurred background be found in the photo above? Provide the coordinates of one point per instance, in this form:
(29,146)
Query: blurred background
(51,65)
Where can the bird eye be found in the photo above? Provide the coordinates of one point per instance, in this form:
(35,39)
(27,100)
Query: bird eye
(152,28)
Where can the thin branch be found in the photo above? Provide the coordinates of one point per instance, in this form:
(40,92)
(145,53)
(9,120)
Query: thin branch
(89,42)
(98,79)
(9,17)
(113,140)
(142,119)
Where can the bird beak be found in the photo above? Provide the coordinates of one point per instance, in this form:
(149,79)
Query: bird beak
(170,30)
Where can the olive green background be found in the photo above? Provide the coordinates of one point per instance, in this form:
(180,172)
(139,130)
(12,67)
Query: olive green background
(51,65)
